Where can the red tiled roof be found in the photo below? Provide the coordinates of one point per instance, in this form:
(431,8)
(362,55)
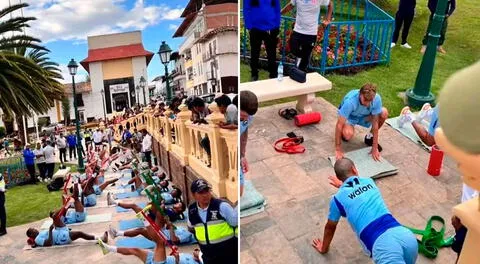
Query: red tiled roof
(185,23)
(119,52)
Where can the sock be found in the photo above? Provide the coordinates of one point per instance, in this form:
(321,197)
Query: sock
(120,233)
(110,248)
(369,135)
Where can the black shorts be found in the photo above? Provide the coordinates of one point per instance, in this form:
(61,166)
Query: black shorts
(98,143)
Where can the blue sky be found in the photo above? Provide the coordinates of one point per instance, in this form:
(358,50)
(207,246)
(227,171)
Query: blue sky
(63,25)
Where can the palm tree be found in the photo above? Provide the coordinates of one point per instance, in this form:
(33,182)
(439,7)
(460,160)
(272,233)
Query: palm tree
(28,79)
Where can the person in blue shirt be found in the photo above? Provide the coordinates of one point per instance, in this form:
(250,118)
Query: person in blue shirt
(174,235)
(361,107)
(248,108)
(29,158)
(158,255)
(262,19)
(359,200)
(72,145)
(58,234)
(427,112)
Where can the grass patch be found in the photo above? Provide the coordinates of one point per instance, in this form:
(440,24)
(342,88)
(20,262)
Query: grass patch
(462,45)
(29,203)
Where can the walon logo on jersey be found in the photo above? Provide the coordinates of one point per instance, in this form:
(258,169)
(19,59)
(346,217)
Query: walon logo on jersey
(360,190)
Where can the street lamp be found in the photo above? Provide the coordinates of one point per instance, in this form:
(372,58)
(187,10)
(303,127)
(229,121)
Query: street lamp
(138,94)
(103,104)
(164,53)
(420,93)
(72,68)
(142,84)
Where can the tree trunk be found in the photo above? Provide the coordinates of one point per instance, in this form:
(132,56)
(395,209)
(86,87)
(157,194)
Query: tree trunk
(21,133)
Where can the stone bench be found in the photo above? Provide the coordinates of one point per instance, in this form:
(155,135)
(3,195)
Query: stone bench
(61,173)
(271,89)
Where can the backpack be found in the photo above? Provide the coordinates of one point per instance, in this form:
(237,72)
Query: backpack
(55,185)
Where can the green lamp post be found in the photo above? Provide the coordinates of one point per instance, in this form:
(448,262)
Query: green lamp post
(420,93)
(72,68)
(164,53)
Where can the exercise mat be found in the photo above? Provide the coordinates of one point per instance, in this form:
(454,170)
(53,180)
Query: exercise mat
(252,202)
(90,219)
(129,224)
(408,131)
(366,166)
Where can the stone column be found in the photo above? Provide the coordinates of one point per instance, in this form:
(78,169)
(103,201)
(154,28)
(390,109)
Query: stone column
(218,164)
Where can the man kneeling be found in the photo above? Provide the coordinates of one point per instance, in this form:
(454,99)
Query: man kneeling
(360,201)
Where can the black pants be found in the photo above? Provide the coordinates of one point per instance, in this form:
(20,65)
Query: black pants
(3,214)
(148,157)
(221,254)
(442,32)
(406,21)
(205,143)
(41,169)
(301,46)
(50,167)
(63,153)
(270,39)
(31,171)
(70,150)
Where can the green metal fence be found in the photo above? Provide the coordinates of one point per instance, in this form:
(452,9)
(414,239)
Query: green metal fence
(360,34)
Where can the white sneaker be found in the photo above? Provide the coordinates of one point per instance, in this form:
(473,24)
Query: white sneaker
(406,116)
(112,231)
(425,112)
(102,245)
(392,45)
(406,46)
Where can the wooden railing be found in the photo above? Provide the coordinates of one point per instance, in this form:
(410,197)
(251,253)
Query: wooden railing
(183,138)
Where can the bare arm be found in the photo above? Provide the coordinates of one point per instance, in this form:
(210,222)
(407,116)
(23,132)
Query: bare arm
(428,139)
(328,234)
(49,241)
(338,132)
(243,143)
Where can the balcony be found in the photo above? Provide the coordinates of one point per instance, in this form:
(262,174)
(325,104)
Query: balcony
(181,156)
(188,63)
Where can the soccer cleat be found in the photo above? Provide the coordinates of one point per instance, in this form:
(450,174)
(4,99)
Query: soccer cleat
(103,247)
(424,113)
(406,116)
(369,142)
(406,46)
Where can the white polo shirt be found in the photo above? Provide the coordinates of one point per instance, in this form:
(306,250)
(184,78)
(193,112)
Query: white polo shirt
(306,19)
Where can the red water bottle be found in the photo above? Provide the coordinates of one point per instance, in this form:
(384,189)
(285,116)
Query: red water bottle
(436,160)
(308,118)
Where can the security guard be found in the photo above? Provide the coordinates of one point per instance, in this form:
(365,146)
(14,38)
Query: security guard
(214,222)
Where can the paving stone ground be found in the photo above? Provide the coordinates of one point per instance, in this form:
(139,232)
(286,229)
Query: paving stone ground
(11,245)
(298,193)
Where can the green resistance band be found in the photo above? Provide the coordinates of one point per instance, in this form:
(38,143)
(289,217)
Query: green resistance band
(432,240)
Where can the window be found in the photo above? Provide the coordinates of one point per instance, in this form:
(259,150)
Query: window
(79,100)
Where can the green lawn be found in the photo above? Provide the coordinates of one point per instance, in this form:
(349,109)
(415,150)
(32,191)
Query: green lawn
(462,45)
(29,203)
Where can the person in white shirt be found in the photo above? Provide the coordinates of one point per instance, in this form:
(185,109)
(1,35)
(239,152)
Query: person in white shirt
(304,34)
(40,160)
(49,153)
(147,147)
(109,136)
(62,148)
(97,138)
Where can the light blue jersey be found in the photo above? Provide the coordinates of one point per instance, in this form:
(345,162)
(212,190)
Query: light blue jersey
(41,237)
(355,112)
(184,259)
(434,122)
(90,200)
(61,236)
(360,201)
(168,198)
(183,234)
